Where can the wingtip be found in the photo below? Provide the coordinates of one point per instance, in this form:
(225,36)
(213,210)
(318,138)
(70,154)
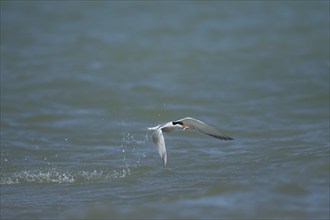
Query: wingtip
(229,139)
(164,161)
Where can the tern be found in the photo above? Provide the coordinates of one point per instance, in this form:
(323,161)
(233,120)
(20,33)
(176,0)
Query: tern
(184,123)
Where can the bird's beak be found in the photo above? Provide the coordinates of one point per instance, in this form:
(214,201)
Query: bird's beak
(184,127)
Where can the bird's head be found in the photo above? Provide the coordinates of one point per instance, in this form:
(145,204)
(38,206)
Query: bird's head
(179,124)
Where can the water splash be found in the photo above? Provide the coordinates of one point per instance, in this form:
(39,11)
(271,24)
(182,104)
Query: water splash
(130,149)
(37,176)
(131,155)
(55,175)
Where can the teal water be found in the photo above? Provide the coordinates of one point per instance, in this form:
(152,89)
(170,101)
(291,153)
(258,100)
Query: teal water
(81,81)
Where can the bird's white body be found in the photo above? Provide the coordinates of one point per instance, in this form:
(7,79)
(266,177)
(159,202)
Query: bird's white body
(185,123)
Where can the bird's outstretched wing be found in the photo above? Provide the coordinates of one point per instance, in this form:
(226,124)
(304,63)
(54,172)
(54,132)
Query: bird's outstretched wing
(201,127)
(158,138)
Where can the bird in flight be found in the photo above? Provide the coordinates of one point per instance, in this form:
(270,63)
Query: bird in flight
(184,123)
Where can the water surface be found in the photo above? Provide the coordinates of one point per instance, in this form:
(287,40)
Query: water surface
(81,81)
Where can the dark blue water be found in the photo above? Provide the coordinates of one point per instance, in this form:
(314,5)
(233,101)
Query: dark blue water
(81,81)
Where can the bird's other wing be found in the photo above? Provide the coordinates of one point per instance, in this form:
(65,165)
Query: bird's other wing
(158,138)
(201,127)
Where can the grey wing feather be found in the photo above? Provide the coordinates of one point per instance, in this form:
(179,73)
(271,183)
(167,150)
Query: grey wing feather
(158,138)
(201,127)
